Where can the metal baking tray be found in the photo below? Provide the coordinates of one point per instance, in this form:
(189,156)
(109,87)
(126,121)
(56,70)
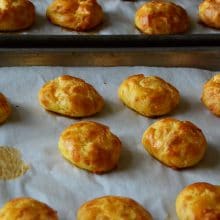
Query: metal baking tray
(35,132)
(195,57)
(117,30)
(108,41)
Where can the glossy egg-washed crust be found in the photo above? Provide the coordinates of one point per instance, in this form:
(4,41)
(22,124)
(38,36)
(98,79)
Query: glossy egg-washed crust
(79,15)
(209,13)
(177,144)
(70,96)
(199,201)
(5,109)
(27,209)
(211,95)
(148,95)
(161,17)
(90,146)
(112,208)
(16,15)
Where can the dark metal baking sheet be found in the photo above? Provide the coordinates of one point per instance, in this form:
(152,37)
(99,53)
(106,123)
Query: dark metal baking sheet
(196,57)
(117,30)
(108,41)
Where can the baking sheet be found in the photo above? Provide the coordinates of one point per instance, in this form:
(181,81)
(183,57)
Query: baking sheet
(119,19)
(64,187)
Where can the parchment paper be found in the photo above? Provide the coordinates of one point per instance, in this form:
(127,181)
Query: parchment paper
(64,187)
(119,18)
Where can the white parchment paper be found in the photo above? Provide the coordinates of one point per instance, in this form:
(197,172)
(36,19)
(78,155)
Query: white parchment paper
(64,187)
(119,18)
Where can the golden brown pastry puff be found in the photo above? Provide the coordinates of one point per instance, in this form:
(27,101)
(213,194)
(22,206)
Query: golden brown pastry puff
(211,95)
(16,15)
(199,201)
(175,143)
(70,96)
(90,146)
(161,17)
(112,208)
(5,109)
(148,95)
(79,15)
(24,208)
(209,13)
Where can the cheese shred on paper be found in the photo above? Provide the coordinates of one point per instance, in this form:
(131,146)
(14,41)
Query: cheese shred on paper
(11,164)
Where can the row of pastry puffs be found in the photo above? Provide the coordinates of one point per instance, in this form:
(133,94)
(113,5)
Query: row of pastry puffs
(198,201)
(91,146)
(153,17)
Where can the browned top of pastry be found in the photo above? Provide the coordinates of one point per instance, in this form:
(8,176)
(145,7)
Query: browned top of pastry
(211,94)
(149,95)
(199,201)
(176,143)
(209,13)
(5,109)
(114,208)
(161,17)
(16,15)
(79,15)
(70,96)
(27,209)
(91,146)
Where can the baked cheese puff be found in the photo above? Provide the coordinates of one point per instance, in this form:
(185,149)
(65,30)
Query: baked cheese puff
(5,109)
(209,13)
(79,15)
(114,208)
(24,208)
(70,96)
(148,95)
(90,146)
(211,95)
(199,201)
(16,15)
(161,17)
(177,144)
